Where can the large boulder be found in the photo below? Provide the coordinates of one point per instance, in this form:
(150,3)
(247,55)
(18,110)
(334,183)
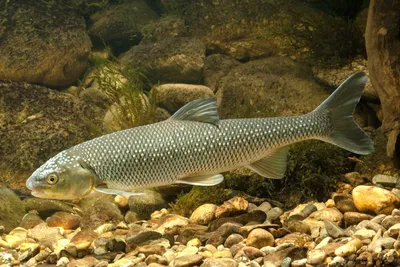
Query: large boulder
(246,30)
(42,43)
(35,124)
(11,209)
(276,86)
(216,67)
(170,60)
(121,24)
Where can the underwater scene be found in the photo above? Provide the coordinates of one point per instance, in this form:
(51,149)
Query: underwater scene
(183,133)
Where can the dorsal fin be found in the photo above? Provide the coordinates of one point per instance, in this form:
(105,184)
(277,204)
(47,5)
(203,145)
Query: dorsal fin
(202,110)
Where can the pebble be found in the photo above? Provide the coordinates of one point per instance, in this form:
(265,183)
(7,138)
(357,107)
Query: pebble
(260,238)
(316,256)
(203,214)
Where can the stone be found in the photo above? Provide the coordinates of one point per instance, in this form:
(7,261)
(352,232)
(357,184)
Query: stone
(344,203)
(45,235)
(297,226)
(364,234)
(143,237)
(265,207)
(176,60)
(390,220)
(385,180)
(30,220)
(11,208)
(204,214)
(220,235)
(195,242)
(239,203)
(225,210)
(99,210)
(216,67)
(219,263)
(281,255)
(331,214)
(83,239)
(172,96)
(188,251)
(166,27)
(161,260)
(255,217)
(58,49)
(65,220)
(187,260)
(374,199)
(150,249)
(46,207)
(298,239)
(333,229)
(264,83)
(121,25)
(394,231)
(170,222)
(146,204)
(233,239)
(222,254)
(353,178)
(316,256)
(353,218)
(95,96)
(274,214)
(252,252)
(260,238)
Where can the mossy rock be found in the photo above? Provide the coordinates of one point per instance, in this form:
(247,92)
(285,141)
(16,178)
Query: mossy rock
(36,123)
(42,42)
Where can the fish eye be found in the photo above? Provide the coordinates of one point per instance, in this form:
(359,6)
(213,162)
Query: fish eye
(52,179)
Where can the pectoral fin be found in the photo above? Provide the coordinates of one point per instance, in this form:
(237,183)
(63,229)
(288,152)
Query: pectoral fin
(272,166)
(117,192)
(203,180)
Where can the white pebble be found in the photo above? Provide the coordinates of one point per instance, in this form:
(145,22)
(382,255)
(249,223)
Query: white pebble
(63,261)
(316,256)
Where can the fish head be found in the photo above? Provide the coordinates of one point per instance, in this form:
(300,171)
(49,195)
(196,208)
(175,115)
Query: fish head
(61,177)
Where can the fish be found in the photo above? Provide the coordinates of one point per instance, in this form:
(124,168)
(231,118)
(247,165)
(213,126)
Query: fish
(195,147)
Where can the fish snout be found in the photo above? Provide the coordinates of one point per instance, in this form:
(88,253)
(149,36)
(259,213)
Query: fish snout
(30,183)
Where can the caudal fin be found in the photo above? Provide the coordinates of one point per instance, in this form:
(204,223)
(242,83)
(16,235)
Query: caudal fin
(341,104)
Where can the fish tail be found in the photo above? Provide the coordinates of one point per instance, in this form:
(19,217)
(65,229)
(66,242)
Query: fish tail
(340,105)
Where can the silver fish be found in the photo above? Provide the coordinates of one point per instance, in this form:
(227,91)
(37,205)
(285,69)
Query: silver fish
(195,147)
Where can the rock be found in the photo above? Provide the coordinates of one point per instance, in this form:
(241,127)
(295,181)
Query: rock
(11,208)
(353,178)
(65,220)
(352,218)
(171,222)
(222,254)
(30,220)
(83,239)
(121,25)
(187,260)
(394,231)
(374,199)
(389,221)
(173,96)
(233,239)
(188,251)
(291,252)
(220,235)
(167,27)
(364,234)
(195,242)
(332,229)
(99,210)
(225,210)
(258,87)
(331,214)
(294,225)
(274,214)
(216,67)
(344,203)
(177,60)
(316,257)
(161,260)
(298,239)
(265,207)
(203,214)
(32,119)
(146,204)
(87,261)
(349,248)
(219,263)
(45,235)
(46,207)
(95,96)
(53,45)
(385,180)
(143,237)
(260,238)
(252,253)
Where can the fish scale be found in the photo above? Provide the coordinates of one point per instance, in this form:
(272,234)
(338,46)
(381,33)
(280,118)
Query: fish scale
(162,153)
(195,147)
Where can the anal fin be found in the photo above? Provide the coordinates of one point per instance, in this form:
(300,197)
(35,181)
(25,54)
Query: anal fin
(202,180)
(272,166)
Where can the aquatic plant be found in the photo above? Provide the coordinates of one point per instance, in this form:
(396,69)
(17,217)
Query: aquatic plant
(185,204)
(123,85)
